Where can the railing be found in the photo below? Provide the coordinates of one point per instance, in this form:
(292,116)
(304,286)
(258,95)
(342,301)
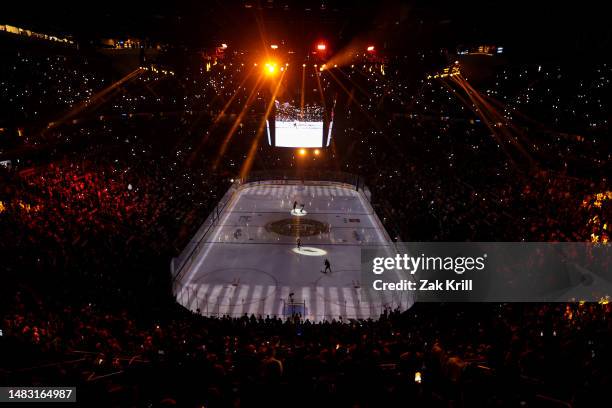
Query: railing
(182,262)
(386,219)
(354,180)
(279,306)
(178,265)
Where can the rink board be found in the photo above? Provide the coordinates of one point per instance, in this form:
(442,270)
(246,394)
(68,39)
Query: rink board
(242,265)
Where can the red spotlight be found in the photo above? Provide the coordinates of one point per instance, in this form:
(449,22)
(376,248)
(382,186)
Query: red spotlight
(321,47)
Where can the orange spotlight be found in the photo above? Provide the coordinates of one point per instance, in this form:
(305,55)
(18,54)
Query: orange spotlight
(370,48)
(274,46)
(321,47)
(270,68)
(302,152)
(317,152)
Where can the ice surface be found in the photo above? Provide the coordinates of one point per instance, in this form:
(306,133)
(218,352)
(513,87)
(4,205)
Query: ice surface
(244,267)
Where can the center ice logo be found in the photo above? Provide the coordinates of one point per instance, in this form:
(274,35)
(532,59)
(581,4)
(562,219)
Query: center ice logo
(297,227)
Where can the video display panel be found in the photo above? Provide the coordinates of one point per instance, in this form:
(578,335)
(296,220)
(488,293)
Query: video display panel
(299,134)
(298,127)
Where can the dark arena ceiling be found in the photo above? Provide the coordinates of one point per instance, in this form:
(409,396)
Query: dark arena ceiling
(542,28)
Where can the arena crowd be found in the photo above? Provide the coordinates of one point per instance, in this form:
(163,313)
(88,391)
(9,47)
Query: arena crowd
(92,210)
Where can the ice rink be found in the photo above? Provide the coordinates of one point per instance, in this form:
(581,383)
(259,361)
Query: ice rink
(248,260)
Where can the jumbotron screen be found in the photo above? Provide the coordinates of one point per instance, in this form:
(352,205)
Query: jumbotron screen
(291,126)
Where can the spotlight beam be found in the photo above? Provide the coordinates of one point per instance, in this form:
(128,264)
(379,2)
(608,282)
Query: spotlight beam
(356,85)
(248,162)
(94,101)
(396,149)
(320,89)
(237,122)
(351,97)
(221,113)
(231,99)
(302,92)
(489,114)
(497,118)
